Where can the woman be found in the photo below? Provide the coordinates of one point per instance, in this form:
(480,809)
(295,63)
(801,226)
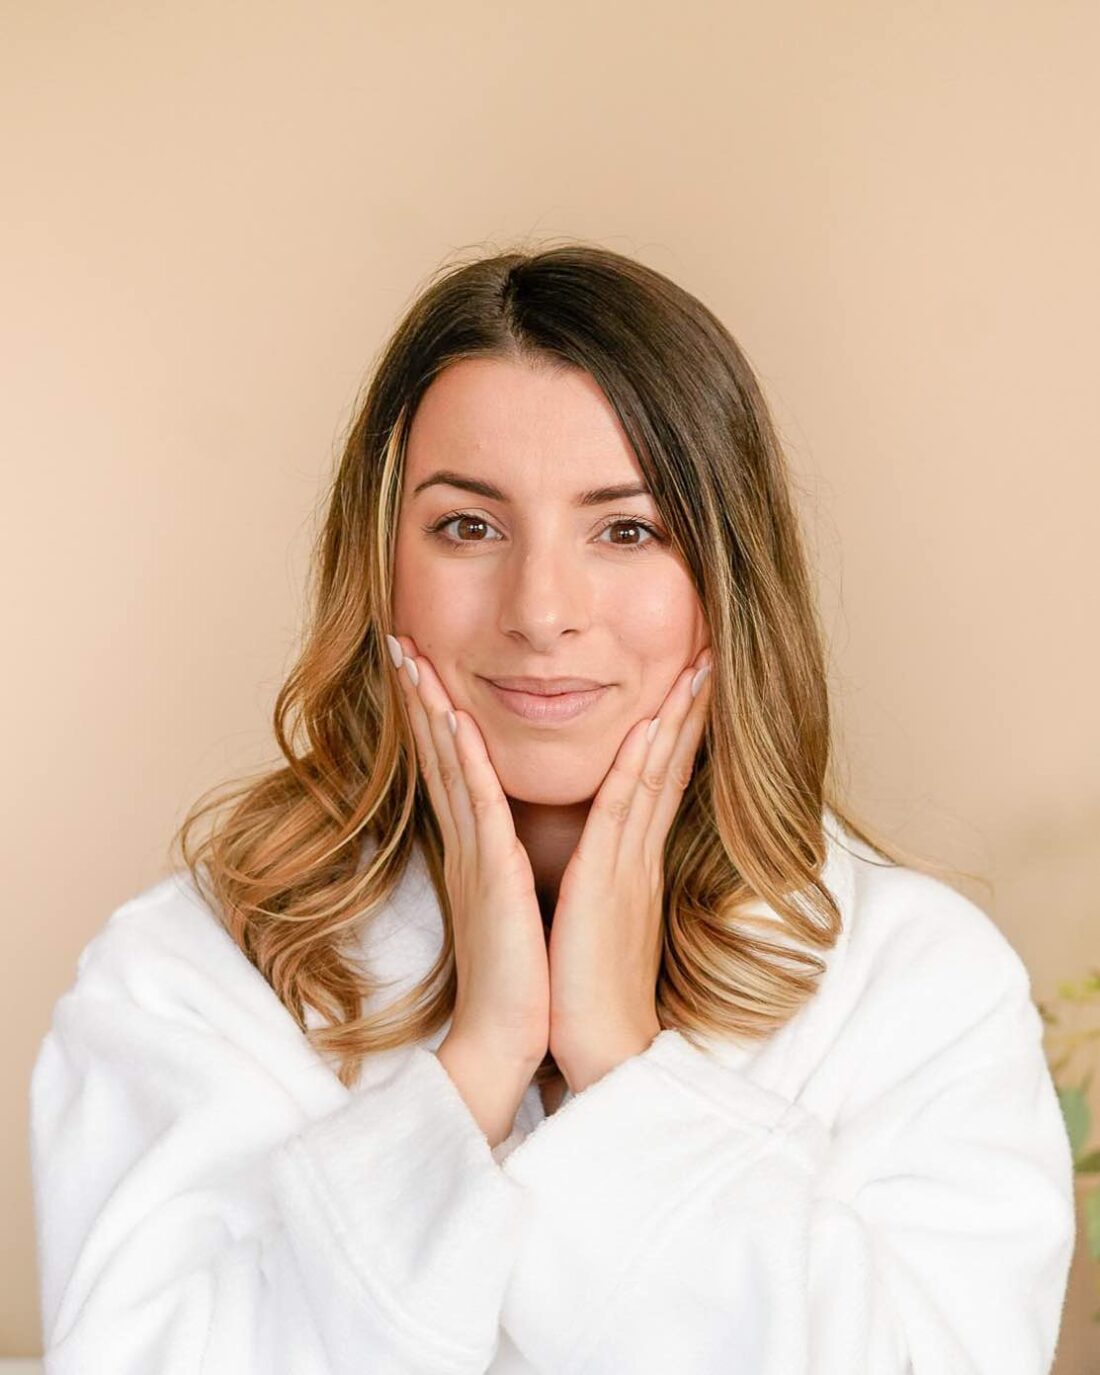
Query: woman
(551,1025)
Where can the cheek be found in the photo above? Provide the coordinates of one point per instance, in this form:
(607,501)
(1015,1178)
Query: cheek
(658,621)
(433,607)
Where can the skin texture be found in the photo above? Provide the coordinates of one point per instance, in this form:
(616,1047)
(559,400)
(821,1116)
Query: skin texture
(532,581)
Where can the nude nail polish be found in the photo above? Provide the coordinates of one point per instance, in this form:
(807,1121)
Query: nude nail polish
(699,679)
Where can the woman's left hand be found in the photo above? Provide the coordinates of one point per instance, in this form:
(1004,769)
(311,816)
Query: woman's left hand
(606,935)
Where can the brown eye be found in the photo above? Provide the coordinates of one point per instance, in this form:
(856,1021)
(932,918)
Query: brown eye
(453,519)
(655,535)
(466,519)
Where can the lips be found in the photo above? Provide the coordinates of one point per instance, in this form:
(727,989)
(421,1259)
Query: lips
(544,706)
(546,687)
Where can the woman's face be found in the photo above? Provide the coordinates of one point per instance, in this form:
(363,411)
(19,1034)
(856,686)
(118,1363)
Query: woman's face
(531,582)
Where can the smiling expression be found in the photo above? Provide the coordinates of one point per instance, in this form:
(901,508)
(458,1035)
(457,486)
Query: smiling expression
(527,546)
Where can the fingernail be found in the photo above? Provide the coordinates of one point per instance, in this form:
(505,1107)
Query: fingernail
(396,653)
(652,729)
(413,672)
(452,724)
(699,679)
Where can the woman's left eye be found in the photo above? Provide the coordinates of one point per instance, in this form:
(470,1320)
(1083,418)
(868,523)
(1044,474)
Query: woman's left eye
(656,537)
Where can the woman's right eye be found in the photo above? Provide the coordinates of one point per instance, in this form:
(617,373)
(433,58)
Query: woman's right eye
(441,524)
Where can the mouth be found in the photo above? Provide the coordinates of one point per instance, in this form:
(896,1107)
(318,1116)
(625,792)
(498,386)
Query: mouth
(544,706)
(546,687)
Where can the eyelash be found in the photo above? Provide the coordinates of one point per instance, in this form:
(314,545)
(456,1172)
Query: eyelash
(443,521)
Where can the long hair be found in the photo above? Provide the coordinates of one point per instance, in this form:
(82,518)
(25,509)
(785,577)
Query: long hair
(282,869)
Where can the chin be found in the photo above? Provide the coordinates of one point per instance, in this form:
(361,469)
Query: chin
(540,788)
(543,798)
(550,797)
(561,773)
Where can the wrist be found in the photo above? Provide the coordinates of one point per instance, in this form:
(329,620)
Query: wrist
(472,1048)
(602,1054)
(491,1090)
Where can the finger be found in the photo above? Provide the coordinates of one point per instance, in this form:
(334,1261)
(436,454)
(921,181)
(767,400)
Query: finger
(672,768)
(650,760)
(425,743)
(610,809)
(436,704)
(479,807)
(493,824)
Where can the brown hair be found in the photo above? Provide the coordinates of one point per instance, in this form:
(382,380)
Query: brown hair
(282,869)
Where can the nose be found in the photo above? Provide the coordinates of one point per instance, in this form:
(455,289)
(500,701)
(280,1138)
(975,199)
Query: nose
(546,591)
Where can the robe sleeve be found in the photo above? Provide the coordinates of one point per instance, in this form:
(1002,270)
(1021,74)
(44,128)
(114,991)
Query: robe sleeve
(203,1205)
(700,1222)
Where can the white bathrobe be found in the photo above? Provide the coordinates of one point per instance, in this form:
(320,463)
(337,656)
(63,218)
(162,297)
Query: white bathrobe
(883,1187)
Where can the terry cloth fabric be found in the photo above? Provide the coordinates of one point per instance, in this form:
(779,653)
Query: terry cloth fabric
(883,1187)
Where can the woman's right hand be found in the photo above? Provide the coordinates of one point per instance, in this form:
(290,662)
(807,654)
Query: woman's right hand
(502,1004)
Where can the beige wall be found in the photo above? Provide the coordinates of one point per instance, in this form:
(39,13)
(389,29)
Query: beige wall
(215,213)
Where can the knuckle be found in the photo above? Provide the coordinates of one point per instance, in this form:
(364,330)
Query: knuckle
(682,774)
(482,804)
(653,780)
(618,810)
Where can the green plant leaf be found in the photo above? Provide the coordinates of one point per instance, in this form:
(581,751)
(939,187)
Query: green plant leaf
(1091,1211)
(1077,1116)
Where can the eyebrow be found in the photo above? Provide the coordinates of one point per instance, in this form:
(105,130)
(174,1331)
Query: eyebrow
(595,496)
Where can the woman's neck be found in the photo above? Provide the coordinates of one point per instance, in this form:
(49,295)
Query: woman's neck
(549,834)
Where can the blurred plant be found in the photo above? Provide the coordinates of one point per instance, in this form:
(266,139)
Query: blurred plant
(1074,1102)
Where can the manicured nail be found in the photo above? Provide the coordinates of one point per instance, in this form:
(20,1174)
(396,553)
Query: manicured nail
(412,670)
(652,729)
(452,724)
(396,652)
(699,679)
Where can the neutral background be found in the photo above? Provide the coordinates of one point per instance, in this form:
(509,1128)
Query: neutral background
(215,213)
